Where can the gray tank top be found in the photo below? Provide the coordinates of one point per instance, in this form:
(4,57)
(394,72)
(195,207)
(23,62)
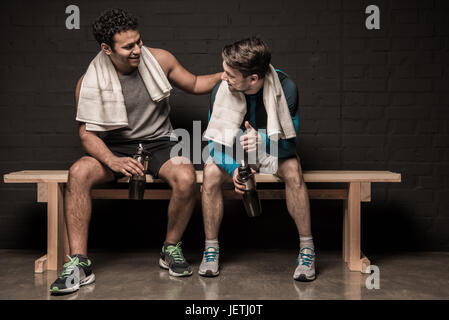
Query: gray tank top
(147,119)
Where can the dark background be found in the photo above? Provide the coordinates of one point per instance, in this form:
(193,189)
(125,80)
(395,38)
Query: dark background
(369,100)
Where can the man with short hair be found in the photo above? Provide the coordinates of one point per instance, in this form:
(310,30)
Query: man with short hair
(122,100)
(248,79)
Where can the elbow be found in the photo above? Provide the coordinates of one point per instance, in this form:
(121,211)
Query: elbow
(195,89)
(85,137)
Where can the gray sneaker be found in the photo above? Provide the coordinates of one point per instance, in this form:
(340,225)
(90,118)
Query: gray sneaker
(305,270)
(209,266)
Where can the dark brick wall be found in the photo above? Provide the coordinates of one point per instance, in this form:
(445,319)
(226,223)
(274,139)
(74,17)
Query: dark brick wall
(374,100)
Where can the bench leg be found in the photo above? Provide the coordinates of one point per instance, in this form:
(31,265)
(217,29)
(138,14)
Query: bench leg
(56,227)
(345,245)
(352,254)
(40,265)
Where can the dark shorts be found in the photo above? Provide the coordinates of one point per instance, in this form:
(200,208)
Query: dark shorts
(159,152)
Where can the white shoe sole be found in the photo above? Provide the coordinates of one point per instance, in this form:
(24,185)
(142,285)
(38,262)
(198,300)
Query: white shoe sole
(88,280)
(208,273)
(165,266)
(304,278)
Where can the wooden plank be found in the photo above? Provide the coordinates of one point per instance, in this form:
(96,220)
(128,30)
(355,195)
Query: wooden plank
(350,176)
(154,194)
(42,192)
(354,226)
(264,194)
(345,245)
(365,191)
(31,176)
(331,194)
(55,223)
(279,194)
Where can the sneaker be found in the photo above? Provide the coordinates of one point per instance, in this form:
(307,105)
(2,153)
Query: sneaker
(173,260)
(305,270)
(74,275)
(209,266)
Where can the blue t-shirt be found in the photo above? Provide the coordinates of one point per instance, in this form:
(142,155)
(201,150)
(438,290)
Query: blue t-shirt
(257,117)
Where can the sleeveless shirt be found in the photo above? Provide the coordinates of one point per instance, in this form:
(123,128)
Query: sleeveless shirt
(147,120)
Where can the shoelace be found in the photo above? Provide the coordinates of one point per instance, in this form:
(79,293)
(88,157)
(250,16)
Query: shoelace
(69,267)
(210,256)
(306,258)
(176,252)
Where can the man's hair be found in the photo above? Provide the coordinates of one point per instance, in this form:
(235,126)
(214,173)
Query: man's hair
(249,56)
(110,22)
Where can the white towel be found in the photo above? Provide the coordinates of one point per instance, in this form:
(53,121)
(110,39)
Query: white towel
(230,108)
(101,104)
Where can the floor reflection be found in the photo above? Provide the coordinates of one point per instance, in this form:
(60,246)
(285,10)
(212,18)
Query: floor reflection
(175,291)
(211,287)
(305,290)
(338,284)
(352,284)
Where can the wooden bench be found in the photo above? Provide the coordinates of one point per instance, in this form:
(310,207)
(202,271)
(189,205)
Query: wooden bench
(354,188)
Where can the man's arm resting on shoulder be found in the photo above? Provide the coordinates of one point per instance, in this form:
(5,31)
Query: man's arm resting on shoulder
(94,146)
(182,78)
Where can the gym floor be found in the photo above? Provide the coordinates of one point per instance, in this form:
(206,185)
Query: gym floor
(244,275)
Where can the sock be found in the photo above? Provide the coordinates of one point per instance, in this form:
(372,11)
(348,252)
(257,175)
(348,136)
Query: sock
(212,243)
(306,242)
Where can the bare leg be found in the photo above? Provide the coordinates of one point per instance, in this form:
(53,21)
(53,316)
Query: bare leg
(212,199)
(182,179)
(83,174)
(296,195)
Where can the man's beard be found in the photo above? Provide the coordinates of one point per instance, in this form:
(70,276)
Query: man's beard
(233,89)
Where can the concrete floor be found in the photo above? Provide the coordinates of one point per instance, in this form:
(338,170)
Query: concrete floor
(245,275)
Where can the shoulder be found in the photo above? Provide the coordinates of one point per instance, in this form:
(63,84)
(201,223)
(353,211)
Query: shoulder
(290,91)
(160,53)
(288,85)
(165,58)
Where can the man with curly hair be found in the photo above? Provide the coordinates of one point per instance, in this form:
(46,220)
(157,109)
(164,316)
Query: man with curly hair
(109,151)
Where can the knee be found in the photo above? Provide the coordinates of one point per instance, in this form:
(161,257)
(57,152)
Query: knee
(80,173)
(292,173)
(185,180)
(212,177)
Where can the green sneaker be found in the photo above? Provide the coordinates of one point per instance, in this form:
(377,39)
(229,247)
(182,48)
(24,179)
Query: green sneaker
(173,260)
(75,274)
